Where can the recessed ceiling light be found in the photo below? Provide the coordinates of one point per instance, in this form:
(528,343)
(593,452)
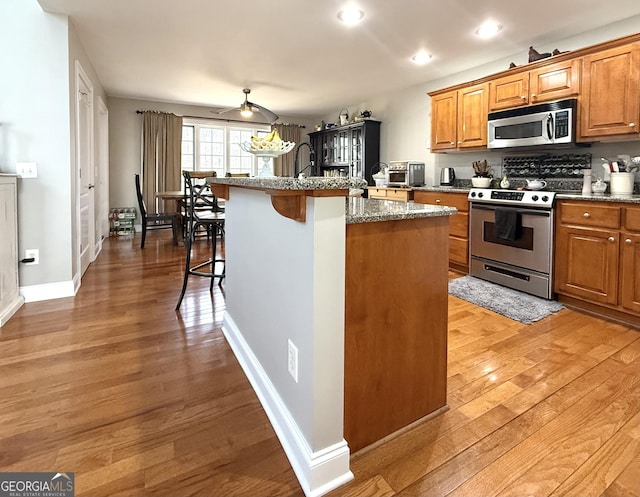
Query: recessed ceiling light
(350,15)
(488,29)
(421,57)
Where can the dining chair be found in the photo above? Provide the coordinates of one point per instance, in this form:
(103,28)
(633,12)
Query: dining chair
(155,221)
(201,212)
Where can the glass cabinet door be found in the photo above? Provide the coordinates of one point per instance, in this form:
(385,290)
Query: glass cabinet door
(327,150)
(355,147)
(342,147)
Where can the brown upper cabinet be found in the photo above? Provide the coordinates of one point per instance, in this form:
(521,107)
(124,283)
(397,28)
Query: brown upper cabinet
(610,99)
(459,119)
(444,119)
(605,78)
(509,91)
(551,82)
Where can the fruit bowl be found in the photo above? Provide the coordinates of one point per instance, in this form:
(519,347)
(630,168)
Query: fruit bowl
(267,152)
(267,147)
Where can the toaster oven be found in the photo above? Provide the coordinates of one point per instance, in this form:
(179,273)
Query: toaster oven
(405,173)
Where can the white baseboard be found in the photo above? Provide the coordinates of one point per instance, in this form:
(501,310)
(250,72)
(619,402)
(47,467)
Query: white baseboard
(10,310)
(48,291)
(77,280)
(318,472)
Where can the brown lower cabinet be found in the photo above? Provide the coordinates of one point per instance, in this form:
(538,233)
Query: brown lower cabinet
(458,226)
(597,258)
(389,193)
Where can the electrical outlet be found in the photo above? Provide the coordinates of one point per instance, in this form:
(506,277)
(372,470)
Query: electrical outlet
(292,360)
(32,253)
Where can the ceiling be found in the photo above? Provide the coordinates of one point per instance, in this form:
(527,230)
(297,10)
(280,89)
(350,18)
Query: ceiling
(294,54)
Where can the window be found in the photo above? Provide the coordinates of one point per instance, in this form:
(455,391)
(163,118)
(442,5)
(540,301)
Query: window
(210,146)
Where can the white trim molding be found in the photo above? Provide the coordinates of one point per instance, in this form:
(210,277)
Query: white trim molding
(48,291)
(10,310)
(318,472)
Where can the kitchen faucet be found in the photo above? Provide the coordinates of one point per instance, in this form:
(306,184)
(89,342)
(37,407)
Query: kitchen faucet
(311,159)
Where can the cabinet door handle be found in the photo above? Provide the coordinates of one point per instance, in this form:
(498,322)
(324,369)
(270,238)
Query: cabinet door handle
(533,95)
(453,143)
(437,201)
(612,239)
(459,142)
(586,214)
(523,97)
(632,125)
(628,241)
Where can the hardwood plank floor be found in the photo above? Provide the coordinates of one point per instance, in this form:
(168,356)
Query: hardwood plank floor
(139,400)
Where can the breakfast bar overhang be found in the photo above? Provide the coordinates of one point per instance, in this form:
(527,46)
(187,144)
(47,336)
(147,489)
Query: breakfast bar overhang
(336,309)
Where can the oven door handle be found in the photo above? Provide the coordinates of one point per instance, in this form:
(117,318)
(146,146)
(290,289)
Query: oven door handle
(519,211)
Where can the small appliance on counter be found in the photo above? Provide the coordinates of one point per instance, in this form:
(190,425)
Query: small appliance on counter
(447,176)
(405,173)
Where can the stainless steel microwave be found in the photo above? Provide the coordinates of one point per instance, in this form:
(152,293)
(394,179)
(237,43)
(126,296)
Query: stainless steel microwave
(552,123)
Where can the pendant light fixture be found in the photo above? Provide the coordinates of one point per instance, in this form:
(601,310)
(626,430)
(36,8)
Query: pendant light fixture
(245,108)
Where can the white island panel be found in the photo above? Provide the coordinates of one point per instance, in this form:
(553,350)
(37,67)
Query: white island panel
(285,281)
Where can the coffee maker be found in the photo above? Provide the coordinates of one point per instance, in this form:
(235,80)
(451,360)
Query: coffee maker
(447,176)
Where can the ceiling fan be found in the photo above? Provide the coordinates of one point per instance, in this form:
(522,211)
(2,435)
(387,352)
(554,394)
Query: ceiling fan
(248,108)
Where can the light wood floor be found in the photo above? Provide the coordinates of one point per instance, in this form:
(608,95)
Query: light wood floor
(138,400)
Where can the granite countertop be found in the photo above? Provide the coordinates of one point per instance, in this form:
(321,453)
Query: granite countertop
(366,210)
(560,195)
(285,183)
(602,197)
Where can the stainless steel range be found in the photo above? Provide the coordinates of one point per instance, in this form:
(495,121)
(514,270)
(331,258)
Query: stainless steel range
(511,238)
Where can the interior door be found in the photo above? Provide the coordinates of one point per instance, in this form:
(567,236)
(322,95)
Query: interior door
(84,144)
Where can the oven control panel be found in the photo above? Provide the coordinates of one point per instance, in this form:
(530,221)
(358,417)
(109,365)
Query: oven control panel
(525,198)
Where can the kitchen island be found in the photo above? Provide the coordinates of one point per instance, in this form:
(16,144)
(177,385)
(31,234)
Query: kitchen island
(336,308)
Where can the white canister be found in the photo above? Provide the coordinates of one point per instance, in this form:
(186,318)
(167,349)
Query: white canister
(621,183)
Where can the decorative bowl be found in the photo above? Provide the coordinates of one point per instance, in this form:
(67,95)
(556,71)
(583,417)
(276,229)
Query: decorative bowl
(481,182)
(266,147)
(267,152)
(599,187)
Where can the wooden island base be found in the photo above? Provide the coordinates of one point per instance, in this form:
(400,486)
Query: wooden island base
(395,368)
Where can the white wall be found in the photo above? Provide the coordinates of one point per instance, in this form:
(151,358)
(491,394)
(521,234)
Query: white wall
(406,114)
(36,63)
(34,111)
(125,141)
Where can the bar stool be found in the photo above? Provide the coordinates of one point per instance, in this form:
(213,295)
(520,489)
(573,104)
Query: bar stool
(201,212)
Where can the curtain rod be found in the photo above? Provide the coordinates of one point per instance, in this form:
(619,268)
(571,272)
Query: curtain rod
(225,120)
